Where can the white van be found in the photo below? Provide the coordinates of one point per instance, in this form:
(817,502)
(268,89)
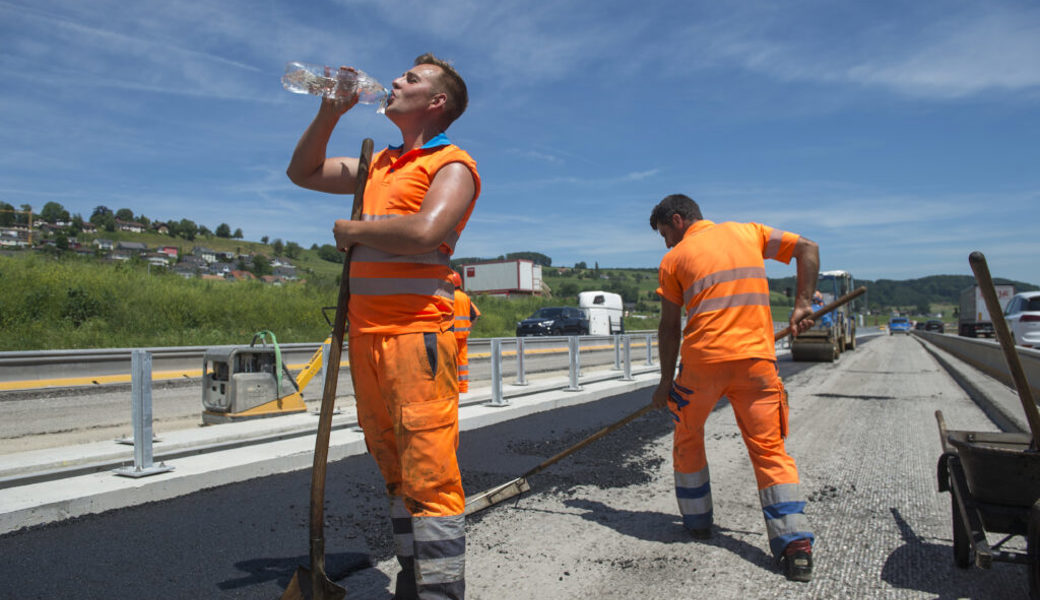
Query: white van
(604,310)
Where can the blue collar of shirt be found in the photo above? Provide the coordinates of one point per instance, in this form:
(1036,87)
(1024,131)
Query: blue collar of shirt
(435,142)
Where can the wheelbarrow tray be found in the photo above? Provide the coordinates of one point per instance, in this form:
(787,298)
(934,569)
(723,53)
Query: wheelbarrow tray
(999,467)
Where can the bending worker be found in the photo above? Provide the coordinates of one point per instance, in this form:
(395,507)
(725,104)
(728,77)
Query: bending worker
(466,314)
(402,352)
(717,274)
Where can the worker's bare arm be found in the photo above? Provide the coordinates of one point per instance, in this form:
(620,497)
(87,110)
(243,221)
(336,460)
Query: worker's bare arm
(309,167)
(807,254)
(447,200)
(669,337)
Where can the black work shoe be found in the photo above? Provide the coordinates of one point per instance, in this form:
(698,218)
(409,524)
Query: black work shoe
(701,534)
(796,561)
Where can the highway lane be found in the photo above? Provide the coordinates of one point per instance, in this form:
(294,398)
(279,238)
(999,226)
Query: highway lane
(34,419)
(601,524)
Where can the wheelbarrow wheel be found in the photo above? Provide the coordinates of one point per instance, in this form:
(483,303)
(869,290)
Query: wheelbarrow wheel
(1033,551)
(961,540)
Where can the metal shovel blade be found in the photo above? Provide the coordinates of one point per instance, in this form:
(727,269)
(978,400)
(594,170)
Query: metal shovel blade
(301,587)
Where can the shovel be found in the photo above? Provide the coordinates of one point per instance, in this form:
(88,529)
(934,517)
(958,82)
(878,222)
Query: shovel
(520,485)
(313,583)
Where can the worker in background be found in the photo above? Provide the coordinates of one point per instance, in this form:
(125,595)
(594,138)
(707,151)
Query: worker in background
(817,303)
(716,272)
(466,314)
(402,351)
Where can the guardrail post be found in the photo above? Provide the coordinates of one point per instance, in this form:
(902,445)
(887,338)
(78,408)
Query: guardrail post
(650,349)
(325,347)
(617,352)
(496,374)
(521,376)
(141,415)
(628,360)
(574,356)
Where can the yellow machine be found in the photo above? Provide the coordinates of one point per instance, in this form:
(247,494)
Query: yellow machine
(249,382)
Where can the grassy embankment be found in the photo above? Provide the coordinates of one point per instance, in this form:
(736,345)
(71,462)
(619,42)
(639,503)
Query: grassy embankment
(77,302)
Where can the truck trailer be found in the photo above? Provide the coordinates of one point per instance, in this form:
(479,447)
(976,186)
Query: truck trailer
(502,278)
(973,318)
(604,311)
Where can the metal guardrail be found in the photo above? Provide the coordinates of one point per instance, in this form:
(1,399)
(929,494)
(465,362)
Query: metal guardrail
(986,356)
(36,369)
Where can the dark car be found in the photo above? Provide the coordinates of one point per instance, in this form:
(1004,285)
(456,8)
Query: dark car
(919,325)
(554,320)
(934,325)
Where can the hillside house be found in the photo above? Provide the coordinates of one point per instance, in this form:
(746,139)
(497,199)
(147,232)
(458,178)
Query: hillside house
(103,244)
(210,256)
(131,226)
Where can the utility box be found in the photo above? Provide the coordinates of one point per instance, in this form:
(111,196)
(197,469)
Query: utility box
(502,278)
(241,382)
(604,310)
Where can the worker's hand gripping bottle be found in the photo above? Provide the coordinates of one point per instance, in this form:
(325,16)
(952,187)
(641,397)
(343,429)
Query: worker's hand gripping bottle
(319,80)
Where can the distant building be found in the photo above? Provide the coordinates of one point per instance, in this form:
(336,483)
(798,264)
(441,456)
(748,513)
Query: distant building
(243,276)
(132,246)
(205,253)
(160,228)
(171,251)
(131,226)
(103,244)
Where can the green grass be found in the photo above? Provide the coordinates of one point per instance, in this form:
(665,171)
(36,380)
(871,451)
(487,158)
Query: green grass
(80,303)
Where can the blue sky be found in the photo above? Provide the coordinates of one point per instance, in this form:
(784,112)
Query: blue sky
(899,135)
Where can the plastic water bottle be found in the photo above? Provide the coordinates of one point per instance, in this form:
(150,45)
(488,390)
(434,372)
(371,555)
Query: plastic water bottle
(319,80)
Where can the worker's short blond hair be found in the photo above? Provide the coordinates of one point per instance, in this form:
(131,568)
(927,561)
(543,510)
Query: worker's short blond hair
(451,83)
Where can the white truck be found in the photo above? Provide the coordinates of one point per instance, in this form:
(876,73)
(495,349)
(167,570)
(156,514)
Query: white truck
(604,310)
(973,318)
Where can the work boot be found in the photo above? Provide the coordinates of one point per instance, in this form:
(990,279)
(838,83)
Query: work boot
(701,534)
(796,561)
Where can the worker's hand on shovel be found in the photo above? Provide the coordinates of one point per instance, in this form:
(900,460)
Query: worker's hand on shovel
(800,317)
(660,398)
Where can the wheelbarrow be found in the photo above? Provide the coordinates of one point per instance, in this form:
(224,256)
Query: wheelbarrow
(994,478)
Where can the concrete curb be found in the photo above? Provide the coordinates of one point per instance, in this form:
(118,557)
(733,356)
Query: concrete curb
(50,501)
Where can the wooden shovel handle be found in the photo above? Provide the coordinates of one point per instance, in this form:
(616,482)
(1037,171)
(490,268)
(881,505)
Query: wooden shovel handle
(328,398)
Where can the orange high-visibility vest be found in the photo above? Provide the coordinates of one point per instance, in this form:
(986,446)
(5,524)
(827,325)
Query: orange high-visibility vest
(392,293)
(465,313)
(717,273)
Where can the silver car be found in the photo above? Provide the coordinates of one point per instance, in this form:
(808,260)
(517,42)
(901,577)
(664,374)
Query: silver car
(1023,318)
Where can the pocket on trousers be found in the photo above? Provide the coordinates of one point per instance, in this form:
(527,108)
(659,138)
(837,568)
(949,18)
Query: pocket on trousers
(421,416)
(783,412)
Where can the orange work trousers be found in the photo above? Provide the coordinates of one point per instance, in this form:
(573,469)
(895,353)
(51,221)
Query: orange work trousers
(759,403)
(408,407)
(463,343)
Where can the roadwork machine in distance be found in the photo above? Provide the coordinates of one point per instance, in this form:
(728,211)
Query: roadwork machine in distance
(828,338)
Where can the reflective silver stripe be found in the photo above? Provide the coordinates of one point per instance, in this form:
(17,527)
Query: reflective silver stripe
(692,480)
(701,505)
(440,544)
(786,525)
(368,217)
(367,254)
(773,245)
(462,330)
(749,299)
(781,492)
(720,277)
(402,521)
(388,286)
